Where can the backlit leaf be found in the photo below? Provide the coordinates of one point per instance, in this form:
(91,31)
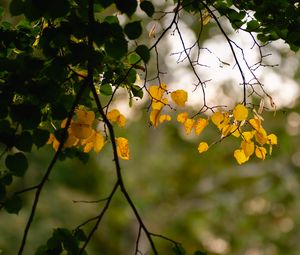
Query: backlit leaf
(123,148)
(240,112)
(200,125)
(203,146)
(260,152)
(240,156)
(179,97)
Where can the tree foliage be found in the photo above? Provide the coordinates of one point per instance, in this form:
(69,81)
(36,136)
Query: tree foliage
(64,62)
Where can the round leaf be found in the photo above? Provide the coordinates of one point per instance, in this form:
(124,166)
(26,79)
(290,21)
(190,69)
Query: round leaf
(13,204)
(40,137)
(133,30)
(147,7)
(128,6)
(17,163)
(24,141)
(143,52)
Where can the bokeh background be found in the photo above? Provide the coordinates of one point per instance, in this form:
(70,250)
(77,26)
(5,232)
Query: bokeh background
(205,202)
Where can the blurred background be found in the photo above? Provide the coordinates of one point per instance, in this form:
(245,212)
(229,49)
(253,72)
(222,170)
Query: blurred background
(205,202)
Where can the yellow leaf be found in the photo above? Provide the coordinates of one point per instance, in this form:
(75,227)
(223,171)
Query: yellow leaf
(154,117)
(182,117)
(164,117)
(54,141)
(159,104)
(122,148)
(87,148)
(247,135)
(203,146)
(81,131)
(255,123)
(115,116)
(248,148)
(98,142)
(226,130)
(71,140)
(85,117)
(188,125)
(179,97)
(121,121)
(235,130)
(261,136)
(240,156)
(156,93)
(240,112)
(220,119)
(260,152)
(200,125)
(272,139)
(217,118)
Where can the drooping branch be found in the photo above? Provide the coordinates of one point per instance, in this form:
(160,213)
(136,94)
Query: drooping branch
(120,182)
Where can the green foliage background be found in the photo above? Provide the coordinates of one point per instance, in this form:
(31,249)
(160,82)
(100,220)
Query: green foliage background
(206,202)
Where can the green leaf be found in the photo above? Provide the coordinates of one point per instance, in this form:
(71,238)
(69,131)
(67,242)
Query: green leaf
(13,204)
(6,178)
(80,235)
(40,137)
(131,77)
(111,19)
(69,242)
(29,116)
(147,7)
(24,141)
(133,30)
(17,164)
(133,58)
(16,7)
(252,26)
(106,89)
(178,250)
(128,6)
(137,91)
(116,48)
(143,52)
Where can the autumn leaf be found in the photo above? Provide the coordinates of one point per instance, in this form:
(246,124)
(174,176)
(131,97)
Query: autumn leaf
(156,93)
(115,116)
(188,125)
(203,146)
(200,125)
(240,156)
(122,148)
(182,117)
(179,97)
(240,112)
(260,152)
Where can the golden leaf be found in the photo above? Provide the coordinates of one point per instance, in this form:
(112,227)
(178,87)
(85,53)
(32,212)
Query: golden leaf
(182,117)
(179,97)
(248,148)
(122,148)
(200,125)
(240,112)
(203,146)
(188,125)
(260,152)
(240,156)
